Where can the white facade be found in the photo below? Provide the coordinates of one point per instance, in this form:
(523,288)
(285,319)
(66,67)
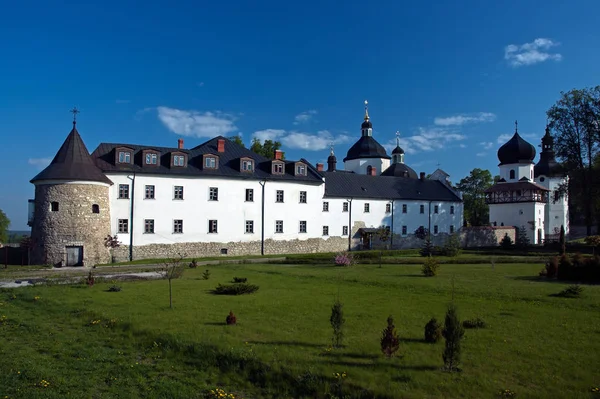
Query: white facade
(360,166)
(528,215)
(517,171)
(557,206)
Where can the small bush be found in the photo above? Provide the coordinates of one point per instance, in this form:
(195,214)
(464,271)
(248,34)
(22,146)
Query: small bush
(343,259)
(433,331)
(206,274)
(552,267)
(428,248)
(90,280)
(337,323)
(238,280)
(421,233)
(430,267)
(193,264)
(453,332)
(522,239)
(230,319)
(390,343)
(235,289)
(506,242)
(474,323)
(114,288)
(572,291)
(452,245)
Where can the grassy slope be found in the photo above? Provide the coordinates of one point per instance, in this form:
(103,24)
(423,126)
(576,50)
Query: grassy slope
(535,345)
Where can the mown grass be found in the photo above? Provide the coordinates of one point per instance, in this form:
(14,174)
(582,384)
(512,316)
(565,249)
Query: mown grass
(534,344)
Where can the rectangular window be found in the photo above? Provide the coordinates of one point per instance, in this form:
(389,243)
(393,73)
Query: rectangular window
(388,208)
(124,226)
(404,230)
(210,163)
(422,209)
(249,195)
(367,207)
(212,226)
(303,197)
(54,206)
(149,192)
(404,208)
(302,228)
(124,157)
(300,170)
(436,209)
(123,191)
(452,209)
(344,230)
(149,226)
(178,160)
(279,196)
(247,165)
(151,159)
(249,226)
(178,192)
(178,226)
(213,194)
(345,207)
(279,226)
(277,168)
(325,230)
(325,206)
(435,229)
(451,228)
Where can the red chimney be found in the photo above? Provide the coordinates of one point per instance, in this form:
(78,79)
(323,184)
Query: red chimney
(180,144)
(278,154)
(320,167)
(221,145)
(422,175)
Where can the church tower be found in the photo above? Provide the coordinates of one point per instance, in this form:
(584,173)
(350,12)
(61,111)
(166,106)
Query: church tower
(367,156)
(516,200)
(71,215)
(398,168)
(549,174)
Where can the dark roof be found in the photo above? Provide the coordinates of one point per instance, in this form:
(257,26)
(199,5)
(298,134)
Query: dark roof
(516,150)
(547,164)
(366,147)
(352,185)
(400,170)
(366,124)
(520,185)
(72,162)
(398,150)
(229,162)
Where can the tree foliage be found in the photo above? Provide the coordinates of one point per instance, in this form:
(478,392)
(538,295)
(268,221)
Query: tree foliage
(476,211)
(4,223)
(238,140)
(337,323)
(266,149)
(173,269)
(453,333)
(575,122)
(390,343)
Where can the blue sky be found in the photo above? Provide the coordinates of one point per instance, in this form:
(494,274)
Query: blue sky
(450,76)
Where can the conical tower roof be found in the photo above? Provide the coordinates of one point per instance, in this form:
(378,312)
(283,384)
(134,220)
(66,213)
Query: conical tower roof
(72,162)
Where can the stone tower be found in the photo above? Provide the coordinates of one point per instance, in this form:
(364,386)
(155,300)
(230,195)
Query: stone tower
(71,215)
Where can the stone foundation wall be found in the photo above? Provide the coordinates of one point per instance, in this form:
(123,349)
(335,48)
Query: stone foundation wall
(485,236)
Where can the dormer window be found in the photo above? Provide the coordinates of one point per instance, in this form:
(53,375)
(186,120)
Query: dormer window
(124,157)
(300,169)
(247,165)
(178,160)
(210,161)
(151,158)
(277,168)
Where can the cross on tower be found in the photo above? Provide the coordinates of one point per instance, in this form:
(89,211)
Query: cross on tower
(398,137)
(74,111)
(516,126)
(331,147)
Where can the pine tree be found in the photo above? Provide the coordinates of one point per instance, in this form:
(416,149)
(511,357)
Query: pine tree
(427,249)
(453,333)
(522,240)
(337,322)
(389,339)
(561,240)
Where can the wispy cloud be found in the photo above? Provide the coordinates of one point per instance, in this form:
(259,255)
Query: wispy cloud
(503,138)
(459,120)
(531,53)
(487,145)
(302,140)
(427,139)
(481,154)
(462,145)
(304,117)
(200,84)
(196,123)
(39,162)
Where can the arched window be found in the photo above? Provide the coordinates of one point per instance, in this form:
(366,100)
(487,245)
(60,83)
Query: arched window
(512,173)
(95,208)
(54,206)
(369,170)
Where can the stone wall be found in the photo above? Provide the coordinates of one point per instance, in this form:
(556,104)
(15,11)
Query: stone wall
(485,236)
(74,224)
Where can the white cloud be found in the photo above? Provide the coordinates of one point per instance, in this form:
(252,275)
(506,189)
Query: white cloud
(304,117)
(39,162)
(481,154)
(462,145)
(486,145)
(531,53)
(458,120)
(503,138)
(195,123)
(427,139)
(301,140)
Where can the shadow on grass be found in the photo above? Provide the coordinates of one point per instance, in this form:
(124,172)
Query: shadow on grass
(537,279)
(411,275)
(384,365)
(364,356)
(215,323)
(288,343)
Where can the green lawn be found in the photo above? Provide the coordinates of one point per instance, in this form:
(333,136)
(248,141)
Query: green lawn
(87,342)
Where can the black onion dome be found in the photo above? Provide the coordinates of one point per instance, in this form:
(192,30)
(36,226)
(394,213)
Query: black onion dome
(398,150)
(331,158)
(366,147)
(366,124)
(400,170)
(516,150)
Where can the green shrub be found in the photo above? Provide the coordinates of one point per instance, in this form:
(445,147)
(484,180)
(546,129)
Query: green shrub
(230,319)
(193,264)
(433,331)
(506,242)
(390,343)
(453,332)
(240,279)
(114,288)
(552,267)
(474,323)
(522,239)
(206,274)
(427,249)
(337,323)
(452,245)
(235,289)
(572,291)
(430,267)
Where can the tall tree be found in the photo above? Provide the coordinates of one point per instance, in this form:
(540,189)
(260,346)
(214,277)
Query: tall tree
(575,122)
(266,149)
(476,211)
(238,140)
(4,223)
